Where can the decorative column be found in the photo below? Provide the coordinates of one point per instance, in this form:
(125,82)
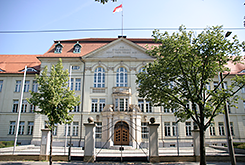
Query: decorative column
(45,144)
(110,132)
(153,141)
(89,141)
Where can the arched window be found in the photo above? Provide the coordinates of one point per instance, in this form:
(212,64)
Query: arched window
(99,78)
(122,77)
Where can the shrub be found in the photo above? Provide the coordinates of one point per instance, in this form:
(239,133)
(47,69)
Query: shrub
(4,144)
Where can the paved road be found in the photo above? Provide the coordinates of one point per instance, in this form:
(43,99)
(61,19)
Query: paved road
(110,163)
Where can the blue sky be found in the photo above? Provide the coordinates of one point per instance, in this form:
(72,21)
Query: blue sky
(88,14)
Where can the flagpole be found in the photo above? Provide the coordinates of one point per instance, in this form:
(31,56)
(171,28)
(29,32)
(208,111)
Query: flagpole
(19,113)
(122,22)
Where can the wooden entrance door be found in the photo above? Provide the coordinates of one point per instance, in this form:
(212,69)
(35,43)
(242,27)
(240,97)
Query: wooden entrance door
(121,133)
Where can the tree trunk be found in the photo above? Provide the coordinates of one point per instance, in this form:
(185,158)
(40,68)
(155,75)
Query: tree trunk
(202,145)
(51,144)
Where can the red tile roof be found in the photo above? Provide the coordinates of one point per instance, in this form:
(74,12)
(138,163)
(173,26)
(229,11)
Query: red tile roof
(89,45)
(17,63)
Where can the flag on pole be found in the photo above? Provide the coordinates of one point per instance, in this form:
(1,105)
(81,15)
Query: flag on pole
(118,9)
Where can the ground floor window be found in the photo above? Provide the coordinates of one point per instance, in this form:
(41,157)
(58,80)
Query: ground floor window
(167,128)
(188,128)
(212,129)
(98,130)
(21,128)
(12,128)
(72,127)
(221,129)
(144,130)
(30,127)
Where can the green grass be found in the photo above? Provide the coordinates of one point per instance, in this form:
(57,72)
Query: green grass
(4,144)
(239,145)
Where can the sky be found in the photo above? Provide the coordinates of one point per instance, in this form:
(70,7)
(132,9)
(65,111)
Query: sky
(38,15)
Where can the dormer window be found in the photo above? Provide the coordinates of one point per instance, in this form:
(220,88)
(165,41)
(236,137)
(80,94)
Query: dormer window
(58,48)
(243,71)
(77,48)
(29,70)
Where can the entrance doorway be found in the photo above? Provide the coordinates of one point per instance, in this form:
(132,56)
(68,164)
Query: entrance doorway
(121,133)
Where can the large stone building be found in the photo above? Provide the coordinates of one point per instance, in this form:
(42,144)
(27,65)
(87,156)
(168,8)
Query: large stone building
(103,74)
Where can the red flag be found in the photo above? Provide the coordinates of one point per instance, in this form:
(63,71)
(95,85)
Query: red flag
(118,9)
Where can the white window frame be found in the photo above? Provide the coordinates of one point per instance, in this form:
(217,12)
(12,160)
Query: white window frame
(17,85)
(30,127)
(34,86)
(148,107)
(75,128)
(98,130)
(167,129)
(174,128)
(12,128)
(121,104)
(77,84)
(188,128)
(144,130)
(15,106)
(27,86)
(32,108)
(122,77)
(141,104)
(99,77)
(24,106)
(212,129)
(221,129)
(21,128)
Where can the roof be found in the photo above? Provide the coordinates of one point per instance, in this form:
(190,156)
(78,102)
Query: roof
(89,45)
(17,63)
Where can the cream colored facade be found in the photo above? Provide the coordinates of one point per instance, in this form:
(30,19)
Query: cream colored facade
(115,100)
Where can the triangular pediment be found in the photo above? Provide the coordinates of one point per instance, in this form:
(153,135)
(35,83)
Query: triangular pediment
(120,49)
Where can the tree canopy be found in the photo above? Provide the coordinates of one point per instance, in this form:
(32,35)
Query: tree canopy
(54,98)
(184,67)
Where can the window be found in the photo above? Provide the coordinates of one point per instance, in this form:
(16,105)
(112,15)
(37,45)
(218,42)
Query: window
(94,105)
(174,128)
(55,130)
(144,130)
(99,78)
(97,103)
(72,84)
(12,128)
(1,85)
(76,109)
(212,129)
(101,105)
(77,48)
(221,129)
(148,106)
(75,67)
(188,128)
(167,128)
(21,128)
(141,104)
(34,86)
(78,84)
(17,86)
(26,86)
(167,110)
(232,129)
(30,127)
(32,108)
(24,106)
(141,70)
(98,130)
(244,105)
(58,48)
(75,129)
(121,104)
(122,77)
(69,128)
(15,106)
(243,90)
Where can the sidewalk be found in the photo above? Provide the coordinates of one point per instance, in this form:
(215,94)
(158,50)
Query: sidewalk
(111,163)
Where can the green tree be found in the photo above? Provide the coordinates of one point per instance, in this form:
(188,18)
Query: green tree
(54,98)
(184,66)
(105,1)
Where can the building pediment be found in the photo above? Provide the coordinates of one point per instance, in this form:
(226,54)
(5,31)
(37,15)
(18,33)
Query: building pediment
(120,49)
